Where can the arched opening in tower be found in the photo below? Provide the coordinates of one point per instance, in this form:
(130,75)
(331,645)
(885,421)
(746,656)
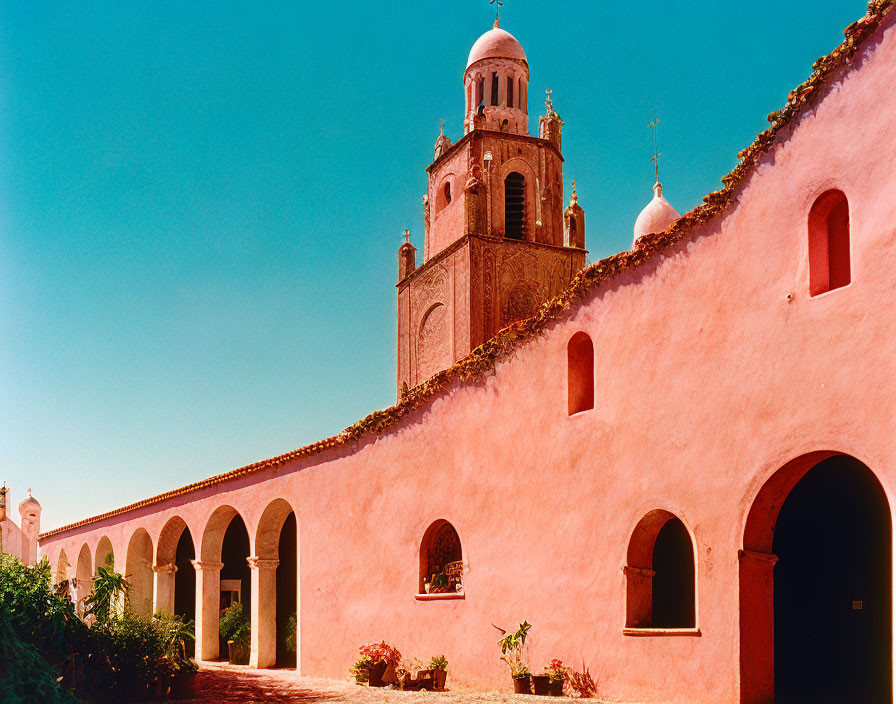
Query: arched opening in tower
(514,205)
(832,588)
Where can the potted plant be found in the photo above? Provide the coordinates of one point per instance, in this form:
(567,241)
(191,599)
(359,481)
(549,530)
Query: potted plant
(383,660)
(176,632)
(439,665)
(512,653)
(236,630)
(556,672)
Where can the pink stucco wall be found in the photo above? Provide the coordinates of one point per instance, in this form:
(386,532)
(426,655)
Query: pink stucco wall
(714,368)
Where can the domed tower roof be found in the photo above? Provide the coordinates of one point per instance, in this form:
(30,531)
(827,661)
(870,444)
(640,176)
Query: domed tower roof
(29,505)
(496,43)
(656,216)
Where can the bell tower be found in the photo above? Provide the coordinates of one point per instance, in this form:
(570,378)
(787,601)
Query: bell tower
(497,241)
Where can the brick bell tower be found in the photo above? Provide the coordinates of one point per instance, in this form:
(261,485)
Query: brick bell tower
(498,242)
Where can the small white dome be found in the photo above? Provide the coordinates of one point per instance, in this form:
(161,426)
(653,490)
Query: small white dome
(656,216)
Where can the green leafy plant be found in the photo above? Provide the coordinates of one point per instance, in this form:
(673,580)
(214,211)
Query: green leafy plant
(361,669)
(37,631)
(438,662)
(512,645)
(291,626)
(175,632)
(107,597)
(235,624)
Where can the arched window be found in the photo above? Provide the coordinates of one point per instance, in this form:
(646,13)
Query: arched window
(660,586)
(494,89)
(480,91)
(510,91)
(580,375)
(514,205)
(829,266)
(447,192)
(441,560)
(443,195)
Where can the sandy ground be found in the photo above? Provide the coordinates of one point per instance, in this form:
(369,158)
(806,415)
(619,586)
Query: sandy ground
(219,683)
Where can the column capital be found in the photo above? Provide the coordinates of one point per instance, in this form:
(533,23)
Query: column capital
(170,567)
(207,565)
(757,556)
(261,563)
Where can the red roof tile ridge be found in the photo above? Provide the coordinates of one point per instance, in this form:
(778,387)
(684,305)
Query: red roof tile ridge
(482,359)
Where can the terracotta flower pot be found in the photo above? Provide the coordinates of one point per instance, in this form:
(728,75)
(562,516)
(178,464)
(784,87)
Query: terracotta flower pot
(541,684)
(183,685)
(521,685)
(556,688)
(376,672)
(440,677)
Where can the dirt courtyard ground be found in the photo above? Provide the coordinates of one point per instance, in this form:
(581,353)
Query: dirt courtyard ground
(219,683)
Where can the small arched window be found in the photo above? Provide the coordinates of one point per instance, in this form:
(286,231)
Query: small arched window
(580,372)
(447,192)
(510,91)
(441,560)
(514,205)
(480,91)
(829,265)
(494,88)
(443,195)
(660,584)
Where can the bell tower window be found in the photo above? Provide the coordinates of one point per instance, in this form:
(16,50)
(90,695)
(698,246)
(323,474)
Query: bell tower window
(509,92)
(494,89)
(514,205)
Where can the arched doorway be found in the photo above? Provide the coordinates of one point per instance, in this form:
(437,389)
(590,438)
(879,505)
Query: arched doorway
(815,583)
(275,566)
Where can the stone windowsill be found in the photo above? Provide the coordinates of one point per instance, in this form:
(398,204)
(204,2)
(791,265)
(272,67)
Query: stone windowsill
(439,597)
(660,632)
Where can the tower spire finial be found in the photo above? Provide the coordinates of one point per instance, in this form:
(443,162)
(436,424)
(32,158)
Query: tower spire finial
(548,104)
(656,154)
(498,5)
(442,126)
(575,196)
(407,236)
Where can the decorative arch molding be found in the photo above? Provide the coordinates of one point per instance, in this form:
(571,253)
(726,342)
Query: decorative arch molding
(267,534)
(166,545)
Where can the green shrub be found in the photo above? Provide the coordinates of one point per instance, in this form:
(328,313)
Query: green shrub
(291,626)
(235,624)
(37,632)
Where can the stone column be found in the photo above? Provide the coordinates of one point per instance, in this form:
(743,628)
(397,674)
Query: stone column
(163,588)
(757,626)
(264,611)
(208,608)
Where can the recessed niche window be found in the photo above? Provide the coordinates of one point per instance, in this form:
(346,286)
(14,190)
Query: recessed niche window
(443,195)
(514,205)
(580,373)
(660,586)
(509,92)
(441,560)
(480,90)
(494,89)
(829,265)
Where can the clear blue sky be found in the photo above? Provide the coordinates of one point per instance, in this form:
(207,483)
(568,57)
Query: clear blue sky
(201,203)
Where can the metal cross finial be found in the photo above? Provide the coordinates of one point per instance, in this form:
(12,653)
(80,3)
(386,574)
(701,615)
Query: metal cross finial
(656,154)
(547,101)
(407,236)
(498,5)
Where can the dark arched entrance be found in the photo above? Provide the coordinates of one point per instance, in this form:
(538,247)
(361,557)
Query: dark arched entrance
(816,622)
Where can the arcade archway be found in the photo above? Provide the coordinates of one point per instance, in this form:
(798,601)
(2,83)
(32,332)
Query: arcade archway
(815,586)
